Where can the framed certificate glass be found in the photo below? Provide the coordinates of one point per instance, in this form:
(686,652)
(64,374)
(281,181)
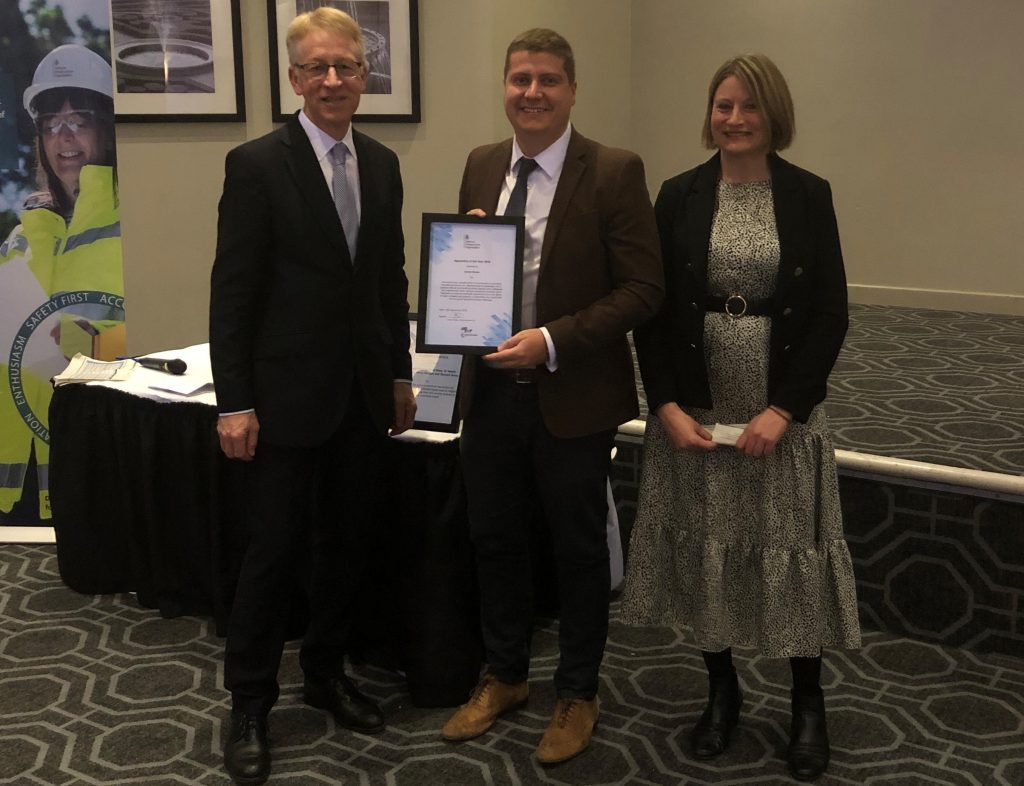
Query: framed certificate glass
(471,282)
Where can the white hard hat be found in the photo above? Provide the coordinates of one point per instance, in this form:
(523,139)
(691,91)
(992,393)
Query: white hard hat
(70,65)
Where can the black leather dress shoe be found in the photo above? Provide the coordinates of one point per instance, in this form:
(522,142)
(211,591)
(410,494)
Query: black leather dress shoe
(349,707)
(710,736)
(808,737)
(246,751)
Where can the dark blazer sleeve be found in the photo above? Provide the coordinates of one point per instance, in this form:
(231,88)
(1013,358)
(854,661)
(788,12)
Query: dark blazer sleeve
(394,288)
(657,341)
(807,342)
(239,280)
(626,234)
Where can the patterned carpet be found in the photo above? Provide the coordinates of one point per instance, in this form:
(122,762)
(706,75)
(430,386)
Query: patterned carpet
(95,690)
(943,387)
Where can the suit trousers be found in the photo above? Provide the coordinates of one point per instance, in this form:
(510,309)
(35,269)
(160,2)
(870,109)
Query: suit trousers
(512,466)
(309,512)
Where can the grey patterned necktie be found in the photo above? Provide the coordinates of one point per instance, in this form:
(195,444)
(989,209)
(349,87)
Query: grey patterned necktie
(344,202)
(517,199)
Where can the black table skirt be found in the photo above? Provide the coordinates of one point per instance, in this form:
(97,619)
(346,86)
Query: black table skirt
(144,501)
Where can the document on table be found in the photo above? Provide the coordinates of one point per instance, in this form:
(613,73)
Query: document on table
(435,384)
(183,385)
(86,369)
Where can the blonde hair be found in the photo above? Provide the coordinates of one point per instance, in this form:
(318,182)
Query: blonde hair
(762,78)
(327,19)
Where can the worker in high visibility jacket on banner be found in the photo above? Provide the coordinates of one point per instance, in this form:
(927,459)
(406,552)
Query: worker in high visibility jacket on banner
(61,272)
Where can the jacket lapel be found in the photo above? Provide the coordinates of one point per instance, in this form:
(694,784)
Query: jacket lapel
(700,212)
(492,177)
(788,218)
(371,201)
(572,170)
(309,180)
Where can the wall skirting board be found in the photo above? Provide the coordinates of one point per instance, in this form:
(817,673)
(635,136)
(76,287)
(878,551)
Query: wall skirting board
(944,300)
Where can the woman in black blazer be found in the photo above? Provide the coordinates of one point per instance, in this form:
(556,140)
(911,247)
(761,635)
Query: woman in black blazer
(744,544)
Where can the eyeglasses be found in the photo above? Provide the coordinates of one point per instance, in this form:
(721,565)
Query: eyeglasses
(73,121)
(345,69)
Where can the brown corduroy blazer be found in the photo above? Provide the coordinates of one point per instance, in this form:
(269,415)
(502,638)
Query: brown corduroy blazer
(600,276)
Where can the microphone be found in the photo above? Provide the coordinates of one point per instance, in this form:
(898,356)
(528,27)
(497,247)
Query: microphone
(167,365)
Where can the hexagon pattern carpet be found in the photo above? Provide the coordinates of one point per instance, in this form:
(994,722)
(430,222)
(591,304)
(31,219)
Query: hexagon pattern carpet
(96,690)
(943,387)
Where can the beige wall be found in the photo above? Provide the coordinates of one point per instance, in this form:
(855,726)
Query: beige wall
(171,175)
(909,107)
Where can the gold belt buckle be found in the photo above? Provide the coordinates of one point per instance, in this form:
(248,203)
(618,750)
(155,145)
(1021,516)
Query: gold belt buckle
(742,305)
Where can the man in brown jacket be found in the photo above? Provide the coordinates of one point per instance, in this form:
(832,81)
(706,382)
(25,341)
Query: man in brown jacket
(540,414)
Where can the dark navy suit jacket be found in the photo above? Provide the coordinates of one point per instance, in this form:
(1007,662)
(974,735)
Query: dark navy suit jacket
(293,319)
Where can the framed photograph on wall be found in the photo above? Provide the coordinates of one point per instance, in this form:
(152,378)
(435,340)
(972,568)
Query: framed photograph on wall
(392,93)
(177,61)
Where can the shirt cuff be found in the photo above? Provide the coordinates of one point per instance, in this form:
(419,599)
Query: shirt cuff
(552,361)
(240,412)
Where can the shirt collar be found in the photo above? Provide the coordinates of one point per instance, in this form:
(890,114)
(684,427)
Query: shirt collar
(551,158)
(321,141)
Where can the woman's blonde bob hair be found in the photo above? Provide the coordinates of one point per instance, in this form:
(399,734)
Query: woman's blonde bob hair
(768,87)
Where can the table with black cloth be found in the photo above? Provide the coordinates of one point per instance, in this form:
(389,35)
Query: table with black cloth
(144,501)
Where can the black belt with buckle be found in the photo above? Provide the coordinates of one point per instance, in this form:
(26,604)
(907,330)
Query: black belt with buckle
(521,376)
(738,306)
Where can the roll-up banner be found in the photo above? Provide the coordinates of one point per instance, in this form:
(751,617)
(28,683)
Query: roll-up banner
(61,273)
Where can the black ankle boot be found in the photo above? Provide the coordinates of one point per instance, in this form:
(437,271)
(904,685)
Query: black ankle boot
(808,737)
(710,736)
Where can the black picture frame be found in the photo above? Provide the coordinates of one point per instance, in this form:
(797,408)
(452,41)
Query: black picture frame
(398,46)
(208,86)
(421,363)
(426,271)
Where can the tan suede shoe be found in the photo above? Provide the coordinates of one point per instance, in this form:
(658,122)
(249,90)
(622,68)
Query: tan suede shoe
(490,698)
(570,730)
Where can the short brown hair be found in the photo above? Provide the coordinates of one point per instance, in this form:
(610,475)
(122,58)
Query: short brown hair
(540,39)
(325,18)
(768,87)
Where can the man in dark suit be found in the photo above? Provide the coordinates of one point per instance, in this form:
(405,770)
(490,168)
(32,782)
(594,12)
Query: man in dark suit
(540,414)
(309,340)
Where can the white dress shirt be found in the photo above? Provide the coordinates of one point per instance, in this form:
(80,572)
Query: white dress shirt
(540,192)
(322,143)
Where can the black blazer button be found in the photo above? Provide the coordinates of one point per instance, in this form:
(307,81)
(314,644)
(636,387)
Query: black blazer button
(694,346)
(787,311)
(786,348)
(798,272)
(693,306)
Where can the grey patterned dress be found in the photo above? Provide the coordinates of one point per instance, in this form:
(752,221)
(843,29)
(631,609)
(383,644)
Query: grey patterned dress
(744,551)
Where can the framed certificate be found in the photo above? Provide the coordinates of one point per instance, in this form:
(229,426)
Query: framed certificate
(435,384)
(471,282)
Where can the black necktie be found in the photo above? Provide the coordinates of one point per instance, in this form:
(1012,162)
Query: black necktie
(517,199)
